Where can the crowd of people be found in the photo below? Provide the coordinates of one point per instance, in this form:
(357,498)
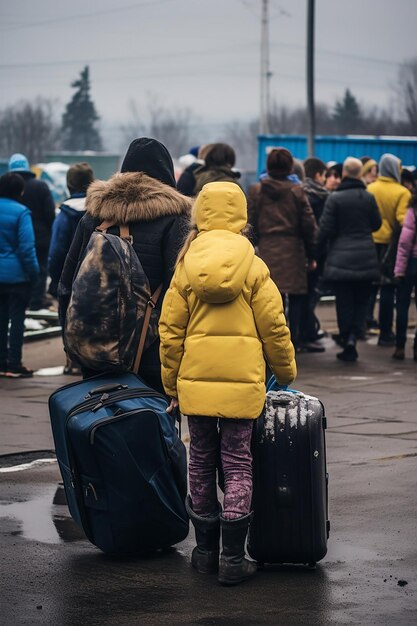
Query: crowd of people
(224,266)
(347,229)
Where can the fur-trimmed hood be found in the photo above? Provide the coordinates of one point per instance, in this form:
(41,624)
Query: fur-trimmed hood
(134,197)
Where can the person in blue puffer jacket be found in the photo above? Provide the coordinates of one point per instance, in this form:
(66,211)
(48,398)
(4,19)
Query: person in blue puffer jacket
(79,177)
(19,269)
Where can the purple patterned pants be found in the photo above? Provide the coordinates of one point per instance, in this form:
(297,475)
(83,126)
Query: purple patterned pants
(230,440)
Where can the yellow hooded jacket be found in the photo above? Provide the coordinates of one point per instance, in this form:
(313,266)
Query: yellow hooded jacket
(222,315)
(392,200)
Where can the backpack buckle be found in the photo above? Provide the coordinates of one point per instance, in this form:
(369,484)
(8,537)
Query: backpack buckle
(151,303)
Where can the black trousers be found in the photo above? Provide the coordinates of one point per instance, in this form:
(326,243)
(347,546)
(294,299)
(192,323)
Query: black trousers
(404,291)
(352,298)
(296,315)
(14,299)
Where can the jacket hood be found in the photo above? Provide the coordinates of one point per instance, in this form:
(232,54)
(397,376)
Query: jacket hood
(218,261)
(217,265)
(77,204)
(274,188)
(152,158)
(134,197)
(221,206)
(390,166)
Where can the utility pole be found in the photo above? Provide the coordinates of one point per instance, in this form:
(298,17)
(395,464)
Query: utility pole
(265,71)
(310,78)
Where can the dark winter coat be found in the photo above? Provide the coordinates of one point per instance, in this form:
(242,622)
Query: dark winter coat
(317,196)
(350,216)
(38,199)
(212,174)
(286,230)
(158,218)
(63,231)
(18,263)
(186,182)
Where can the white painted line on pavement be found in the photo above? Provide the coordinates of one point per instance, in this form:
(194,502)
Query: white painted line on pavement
(25,466)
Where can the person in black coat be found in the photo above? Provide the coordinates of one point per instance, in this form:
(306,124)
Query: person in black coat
(350,216)
(144,196)
(39,201)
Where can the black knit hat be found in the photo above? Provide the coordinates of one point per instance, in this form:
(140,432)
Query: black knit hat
(151,157)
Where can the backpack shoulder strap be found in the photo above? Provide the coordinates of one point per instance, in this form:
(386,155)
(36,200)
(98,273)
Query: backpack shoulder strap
(146,319)
(124,230)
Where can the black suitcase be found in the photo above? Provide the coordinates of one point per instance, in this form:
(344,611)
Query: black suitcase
(290,481)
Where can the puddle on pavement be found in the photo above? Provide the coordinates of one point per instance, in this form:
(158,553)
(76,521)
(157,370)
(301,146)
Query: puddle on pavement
(45,518)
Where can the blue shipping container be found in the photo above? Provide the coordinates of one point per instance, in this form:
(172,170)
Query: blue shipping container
(332,148)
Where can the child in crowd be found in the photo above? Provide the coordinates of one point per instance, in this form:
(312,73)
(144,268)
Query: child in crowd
(221,316)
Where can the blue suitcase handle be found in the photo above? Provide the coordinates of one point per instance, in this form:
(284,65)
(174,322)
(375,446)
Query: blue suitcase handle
(272,385)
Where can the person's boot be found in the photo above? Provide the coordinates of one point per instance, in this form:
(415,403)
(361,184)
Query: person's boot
(205,556)
(349,354)
(234,567)
(399,353)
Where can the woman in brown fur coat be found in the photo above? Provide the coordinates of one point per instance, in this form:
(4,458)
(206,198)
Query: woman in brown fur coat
(144,196)
(285,230)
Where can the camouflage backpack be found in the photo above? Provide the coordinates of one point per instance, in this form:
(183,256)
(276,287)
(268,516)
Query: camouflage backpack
(111,317)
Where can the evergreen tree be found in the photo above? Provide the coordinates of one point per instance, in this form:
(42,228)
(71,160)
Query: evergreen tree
(347,114)
(79,130)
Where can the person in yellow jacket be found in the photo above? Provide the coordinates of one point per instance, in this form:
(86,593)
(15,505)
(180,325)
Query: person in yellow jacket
(393,200)
(221,318)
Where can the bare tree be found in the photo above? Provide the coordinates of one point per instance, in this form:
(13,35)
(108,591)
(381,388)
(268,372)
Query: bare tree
(30,128)
(173,126)
(243,137)
(407,93)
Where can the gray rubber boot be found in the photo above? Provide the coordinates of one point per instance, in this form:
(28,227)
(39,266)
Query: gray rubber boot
(234,567)
(205,556)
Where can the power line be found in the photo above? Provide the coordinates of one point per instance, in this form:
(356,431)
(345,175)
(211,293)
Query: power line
(69,18)
(136,57)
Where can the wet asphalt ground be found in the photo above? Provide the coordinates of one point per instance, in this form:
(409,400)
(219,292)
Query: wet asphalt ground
(51,575)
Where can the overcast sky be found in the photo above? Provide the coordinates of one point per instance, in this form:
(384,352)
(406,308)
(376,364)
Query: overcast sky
(203,54)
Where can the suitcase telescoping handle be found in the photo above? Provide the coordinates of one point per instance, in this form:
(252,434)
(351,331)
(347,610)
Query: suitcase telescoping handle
(106,389)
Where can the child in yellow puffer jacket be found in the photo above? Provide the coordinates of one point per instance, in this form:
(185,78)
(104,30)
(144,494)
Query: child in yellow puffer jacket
(221,318)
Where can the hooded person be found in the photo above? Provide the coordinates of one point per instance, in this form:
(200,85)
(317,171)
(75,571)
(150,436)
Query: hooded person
(393,200)
(38,199)
(221,315)
(285,226)
(144,196)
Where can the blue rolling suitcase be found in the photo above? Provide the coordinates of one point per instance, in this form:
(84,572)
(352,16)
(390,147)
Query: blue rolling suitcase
(122,463)
(290,481)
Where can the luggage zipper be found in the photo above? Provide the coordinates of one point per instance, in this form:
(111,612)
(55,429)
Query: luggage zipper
(112,418)
(95,406)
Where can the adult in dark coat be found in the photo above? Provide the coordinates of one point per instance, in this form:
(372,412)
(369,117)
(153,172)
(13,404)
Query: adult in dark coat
(317,194)
(285,230)
(39,201)
(144,196)
(350,216)
(79,177)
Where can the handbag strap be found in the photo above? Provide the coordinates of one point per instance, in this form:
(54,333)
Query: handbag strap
(151,304)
